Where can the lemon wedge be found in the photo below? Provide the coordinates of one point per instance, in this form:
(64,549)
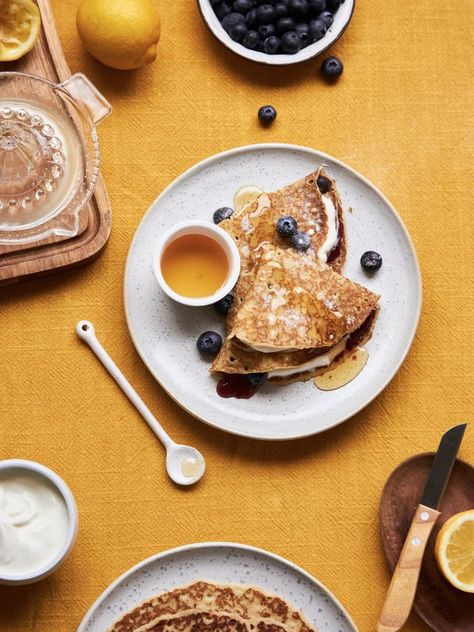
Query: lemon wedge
(245,196)
(454,550)
(20,24)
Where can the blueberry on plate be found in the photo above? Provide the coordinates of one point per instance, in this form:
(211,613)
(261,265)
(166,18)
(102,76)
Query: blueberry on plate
(267,114)
(303,33)
(265,13)
(281,10)
(285,24)
(271,45)
(287,226)
(291,42)
(251,19)
(251,40)
(232,19)
(222,213)
(298,8)
(327,17)
(371,261)
(242,6)
(223,306)
(266,30)
(332,68)
(317,29)
(221,9)
(323,183)
(316,6)
(257,379)
(238,32)
(333,5)
(301,242)
(209,343)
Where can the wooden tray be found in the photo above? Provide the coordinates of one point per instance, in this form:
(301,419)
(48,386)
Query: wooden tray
(55,253)
(443,607)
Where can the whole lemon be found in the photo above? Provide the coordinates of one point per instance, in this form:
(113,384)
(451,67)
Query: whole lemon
(122,34)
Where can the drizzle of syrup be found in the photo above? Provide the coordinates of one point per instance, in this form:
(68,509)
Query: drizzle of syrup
(235,385)
(344,372)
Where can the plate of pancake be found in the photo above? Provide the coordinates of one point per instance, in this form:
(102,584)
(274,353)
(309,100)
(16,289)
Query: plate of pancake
(297,315)
(216,586)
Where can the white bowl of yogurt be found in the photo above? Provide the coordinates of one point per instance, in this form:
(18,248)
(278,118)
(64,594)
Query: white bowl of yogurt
(38,521)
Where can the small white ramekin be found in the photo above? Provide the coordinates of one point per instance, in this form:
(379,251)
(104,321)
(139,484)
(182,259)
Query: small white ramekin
(198,228)
(22,466)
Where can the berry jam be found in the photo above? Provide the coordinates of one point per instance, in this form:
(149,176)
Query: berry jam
(235,385)
(336,249)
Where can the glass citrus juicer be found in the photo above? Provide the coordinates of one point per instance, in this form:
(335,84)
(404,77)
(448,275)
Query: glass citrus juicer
(49,154)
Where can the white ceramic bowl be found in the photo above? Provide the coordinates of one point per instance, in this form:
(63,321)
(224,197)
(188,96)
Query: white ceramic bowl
(23,466)
(341,20)
(198,228)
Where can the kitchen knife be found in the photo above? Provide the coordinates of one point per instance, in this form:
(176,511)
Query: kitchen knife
(402,589)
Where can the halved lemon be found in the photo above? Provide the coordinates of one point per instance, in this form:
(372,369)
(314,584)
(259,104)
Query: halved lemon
(454,550)
(20,24)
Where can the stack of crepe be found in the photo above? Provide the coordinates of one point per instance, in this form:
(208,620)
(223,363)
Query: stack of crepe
(294,316)
(207,607)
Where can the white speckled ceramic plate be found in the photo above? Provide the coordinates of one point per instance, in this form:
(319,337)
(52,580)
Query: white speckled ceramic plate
(219,562)
(165,333)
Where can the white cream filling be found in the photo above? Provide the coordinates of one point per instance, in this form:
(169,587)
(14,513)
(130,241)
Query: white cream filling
(331,236)
(319,361)
(263,348)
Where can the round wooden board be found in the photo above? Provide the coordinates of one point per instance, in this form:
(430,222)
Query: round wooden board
(443,607)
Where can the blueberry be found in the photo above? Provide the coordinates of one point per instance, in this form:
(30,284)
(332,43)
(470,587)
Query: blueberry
(290,42)
(266,30)
(316,6)
(301,242)
(285,24)
(251,19)
(303,33)
(251,40)
(298,8)
(238,32)
(267,114)
(332,67)
(333,5)
(257,379)
(371,261)
(271,45)
(326,17)
(223,306)
(265,14)
(221,9)
(324,184)
(287,226)
(317,29)
(232,19)
(281,10)
(209,343)
(242,6)
(222,213)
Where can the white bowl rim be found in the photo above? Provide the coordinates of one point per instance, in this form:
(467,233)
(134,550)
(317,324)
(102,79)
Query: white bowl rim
(232,254)
(309,52)
(66,493)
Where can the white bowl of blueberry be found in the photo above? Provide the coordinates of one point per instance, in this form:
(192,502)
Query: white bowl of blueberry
(278,32)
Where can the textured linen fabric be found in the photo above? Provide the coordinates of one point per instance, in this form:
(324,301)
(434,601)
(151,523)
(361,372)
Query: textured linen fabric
(402,115)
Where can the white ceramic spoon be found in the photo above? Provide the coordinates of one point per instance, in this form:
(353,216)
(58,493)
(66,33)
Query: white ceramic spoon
(185,465)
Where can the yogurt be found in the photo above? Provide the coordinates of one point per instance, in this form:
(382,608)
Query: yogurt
(34,522)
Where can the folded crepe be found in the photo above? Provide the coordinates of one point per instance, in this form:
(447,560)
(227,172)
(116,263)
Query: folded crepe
(241,605)
(297,319)
(318,215)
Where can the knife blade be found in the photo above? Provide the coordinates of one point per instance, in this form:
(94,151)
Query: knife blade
(401,593)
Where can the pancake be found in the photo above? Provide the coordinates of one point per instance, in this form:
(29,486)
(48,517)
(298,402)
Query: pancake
(240,603)
(255,225)
(204,621)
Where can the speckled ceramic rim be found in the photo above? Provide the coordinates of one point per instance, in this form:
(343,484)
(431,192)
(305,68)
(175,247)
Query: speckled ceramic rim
(63,489)
(215,233)
(311,51)
(319,156)
(209,545)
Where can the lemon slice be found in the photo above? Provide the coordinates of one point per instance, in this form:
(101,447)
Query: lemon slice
(454,550)
(245,196)
(20,24)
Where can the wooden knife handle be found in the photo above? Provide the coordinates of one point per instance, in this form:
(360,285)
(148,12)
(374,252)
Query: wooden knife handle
(402,589)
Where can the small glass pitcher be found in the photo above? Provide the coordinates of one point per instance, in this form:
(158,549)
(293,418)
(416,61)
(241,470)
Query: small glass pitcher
(49,154)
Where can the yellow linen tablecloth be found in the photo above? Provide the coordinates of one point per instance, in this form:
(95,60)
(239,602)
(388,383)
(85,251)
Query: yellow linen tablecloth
(402,115)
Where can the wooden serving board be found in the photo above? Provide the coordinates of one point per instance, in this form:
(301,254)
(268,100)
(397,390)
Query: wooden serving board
(55,253)
(443,607)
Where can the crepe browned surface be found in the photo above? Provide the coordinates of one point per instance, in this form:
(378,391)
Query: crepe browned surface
(196,621)
(244,602)
(255,225)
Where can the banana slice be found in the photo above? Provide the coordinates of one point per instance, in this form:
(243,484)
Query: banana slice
(245,196)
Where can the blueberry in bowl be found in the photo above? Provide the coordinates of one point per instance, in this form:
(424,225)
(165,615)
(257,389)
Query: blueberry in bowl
(277,32)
